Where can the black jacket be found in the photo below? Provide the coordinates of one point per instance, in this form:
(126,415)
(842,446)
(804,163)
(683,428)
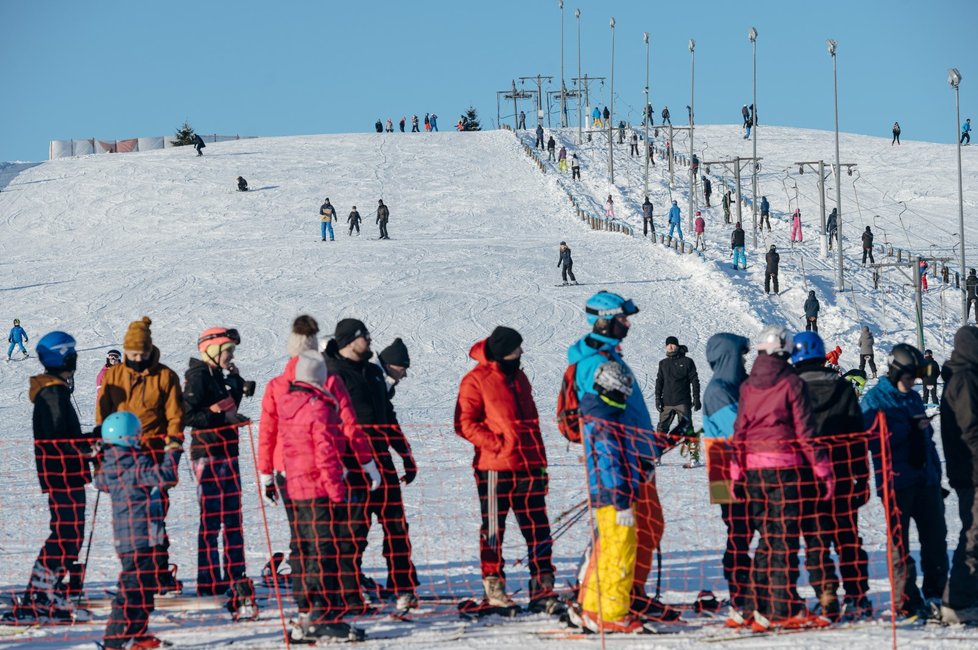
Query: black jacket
(204,386)
(707,186)
(932,370)
(772,259)
(354,218)
(737,238)
(835,411)
(971,284)
(647,210)
(811,306)
(676,378)
(383,214)
(959,410)
(551,143)
(60,447)
(867,239)
(565,257)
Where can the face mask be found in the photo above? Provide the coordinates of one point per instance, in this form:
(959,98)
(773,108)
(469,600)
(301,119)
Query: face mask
(138,366)
(509,366)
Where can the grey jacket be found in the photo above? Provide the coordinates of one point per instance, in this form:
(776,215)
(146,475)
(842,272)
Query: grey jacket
(866,341)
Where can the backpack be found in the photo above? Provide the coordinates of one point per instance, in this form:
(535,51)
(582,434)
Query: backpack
(569,406)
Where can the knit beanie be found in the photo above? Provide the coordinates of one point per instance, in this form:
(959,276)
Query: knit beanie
(396,354)
(303,335)
(503,341)
(348,330)
(138,335)
(311,368)
(672,340)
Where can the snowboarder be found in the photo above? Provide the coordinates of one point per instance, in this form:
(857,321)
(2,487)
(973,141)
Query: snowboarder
(401,124)
(61,453)
(868,245)
(383,214)
(811,312)
(648,115)
(242,184)
(390,125)
(771,261)
(354,220)
(211,400)
(966,132)
(522,122)
(566,264)
(959,434)
(774,451)
(896,134)
(138,481)
(677,386)
(915,472)
(727,201)
(832,226)
(17,338)
(633,149)
(496,412)
(665,116)
(796,235)
(327,214)
(647,223)
(707,190)
(562,159)
(551,149)
(379,126)
(866,353)
(834,521)
(765,214)
(112,357)
(930,371)
(675,222)
(699,227)
(971,285)
(576,175)
(414,124)
(539,142)
(199,144)
(737,238)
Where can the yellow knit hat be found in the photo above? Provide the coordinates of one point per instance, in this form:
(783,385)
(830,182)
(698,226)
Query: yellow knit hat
(138,336)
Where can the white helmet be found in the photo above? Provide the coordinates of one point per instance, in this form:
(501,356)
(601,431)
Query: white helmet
(774,339)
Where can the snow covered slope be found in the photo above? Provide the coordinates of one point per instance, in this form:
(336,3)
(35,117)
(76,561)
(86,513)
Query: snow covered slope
(87,245)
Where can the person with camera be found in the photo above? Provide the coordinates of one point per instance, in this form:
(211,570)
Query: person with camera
(211,399)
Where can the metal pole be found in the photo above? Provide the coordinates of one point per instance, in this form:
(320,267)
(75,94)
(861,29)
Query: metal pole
(539,99)
(645,148)
(737,181)
(692,109)
(563,99)
(611,110)
(753,41)
(840,284)
(672,170)
(580,117)
(918,302)
(955,79)
(516,117)
(821,207)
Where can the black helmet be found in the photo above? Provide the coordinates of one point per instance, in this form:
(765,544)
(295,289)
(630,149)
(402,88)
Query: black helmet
(904,359)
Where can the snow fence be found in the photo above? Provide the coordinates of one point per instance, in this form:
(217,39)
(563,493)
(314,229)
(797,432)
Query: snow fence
(69,148)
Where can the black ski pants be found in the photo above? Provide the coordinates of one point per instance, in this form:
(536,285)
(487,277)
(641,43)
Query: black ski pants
(135,599)
(672,412)
(328,555)
(524,494)
(355,224)
(576,176)
(387,504)
(868,252)
(930,390)
(736,556)
(633,151)
(539,143)
(864,359)
(67,509)
(769,278)
(811,324)
(962,587)
(765,219)
(774,504)
(834,523)
(647,225)
(383,229)
(706,195)
(925,505)
(567,270)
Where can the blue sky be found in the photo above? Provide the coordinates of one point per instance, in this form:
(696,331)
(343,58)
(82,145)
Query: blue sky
(115,69)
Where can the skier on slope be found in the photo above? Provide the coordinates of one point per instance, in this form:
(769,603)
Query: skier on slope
(665,116)
(609,208)
(539,142)
(746,114)
(354,220)
(327,214)
(379,126)
(112,357)
(707,190)
(726,202)
(566,264)
(576,172)
(199,145)
(551,149)
(812,308)
(383,215)
(896,134)
(930,372)
(414,124)
(796,235)
(866,354)
(390,125)
(832,226)
(737,239)
(765,214)
(699,228)
(922,264)
(400,124)
(242,184)
(867,240)
(522,123)
(966,132)
(677,386)
(647,223)
(675,222)
(771,261)
(596,118)
(562,159)
(17,338)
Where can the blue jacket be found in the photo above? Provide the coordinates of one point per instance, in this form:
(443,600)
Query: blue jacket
(135,483)
(17,335)
(724,353)
(613,468)
(596,113)
(589,352)
(965,127)
(913,455)
(765,206)
(674,215)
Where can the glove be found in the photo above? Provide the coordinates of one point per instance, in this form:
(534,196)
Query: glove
(697,405)
(173,441)
(860,493)
(268,482)
(371,470)
(410,469)
(659,405)
(625,518)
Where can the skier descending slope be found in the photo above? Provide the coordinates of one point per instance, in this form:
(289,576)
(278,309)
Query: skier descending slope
(566,264)
(17,338)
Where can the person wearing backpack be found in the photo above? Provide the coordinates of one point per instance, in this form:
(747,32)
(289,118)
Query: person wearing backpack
(608,315)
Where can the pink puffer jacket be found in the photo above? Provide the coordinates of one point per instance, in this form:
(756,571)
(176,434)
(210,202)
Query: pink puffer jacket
(312,444)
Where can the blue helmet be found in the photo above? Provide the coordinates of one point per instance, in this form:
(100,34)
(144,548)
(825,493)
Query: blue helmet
(56,351)
(607,305)
(807,346)
(121,429)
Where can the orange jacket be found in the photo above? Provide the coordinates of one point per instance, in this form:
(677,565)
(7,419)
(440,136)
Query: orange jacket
(153,395)
(833,356)
(497,414)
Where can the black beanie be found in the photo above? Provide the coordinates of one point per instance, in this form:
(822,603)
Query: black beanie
(672,340)
(348,330)
(396,354)
(503,341)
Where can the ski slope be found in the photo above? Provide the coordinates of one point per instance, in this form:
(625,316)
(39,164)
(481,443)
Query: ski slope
(90,244)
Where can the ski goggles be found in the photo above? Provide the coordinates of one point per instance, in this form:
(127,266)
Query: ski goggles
(231,334)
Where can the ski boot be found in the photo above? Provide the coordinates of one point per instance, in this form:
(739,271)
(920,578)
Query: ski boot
(543,598)
(854,609)
(242,604)
(652,609)
(168,584)
(277,570)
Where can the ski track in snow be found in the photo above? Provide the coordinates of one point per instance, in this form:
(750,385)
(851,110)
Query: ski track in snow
(93,243)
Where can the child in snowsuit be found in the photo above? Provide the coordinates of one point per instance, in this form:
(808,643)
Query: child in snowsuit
(136,484)
(811,312)
(354,221)
(17,338)
(562,159)
(923,274)
(699,227)
(565,263)
(609,208)
(675,221)
(796,226)
(242,184)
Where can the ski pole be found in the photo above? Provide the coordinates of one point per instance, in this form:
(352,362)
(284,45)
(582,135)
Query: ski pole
(658,577)
(88,549)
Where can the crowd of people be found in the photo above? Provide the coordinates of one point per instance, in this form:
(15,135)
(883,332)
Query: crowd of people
(430,124)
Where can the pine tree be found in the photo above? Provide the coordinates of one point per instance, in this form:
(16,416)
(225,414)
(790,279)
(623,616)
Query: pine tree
(185,135)
(472,120)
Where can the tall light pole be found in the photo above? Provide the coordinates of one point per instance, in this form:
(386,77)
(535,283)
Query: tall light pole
(692,112)
(840,283)
(580,117)
(645,37)
(752,35)
(611,112)
(954,78)
(563,100)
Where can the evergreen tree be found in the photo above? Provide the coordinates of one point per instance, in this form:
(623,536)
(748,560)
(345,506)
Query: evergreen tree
(472,120)
(185,135)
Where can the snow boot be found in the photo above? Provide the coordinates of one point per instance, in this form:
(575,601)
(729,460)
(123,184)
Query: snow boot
(543,598)
(854,608)
(277,570)
(168,584)
(405,603)
(496,596)
(242,605)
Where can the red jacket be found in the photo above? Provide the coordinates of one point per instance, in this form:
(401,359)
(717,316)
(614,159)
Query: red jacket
(497,414)
(269,441)
(774,427)
(312,443)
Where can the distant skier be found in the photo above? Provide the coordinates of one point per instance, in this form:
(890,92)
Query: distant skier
(606,115)
(633,149)
(576,171)
(971,285)
(621,132)
(868,245)
(931,371)
(17,338)
(707,190)
(747,128)
(866,353)
(771,262)
(566,264)
(648,116)
(647,223)
(765,214)
(199,144)
(896,134)
(112,357)
(414,124)
(746,114)
(522,123)
(726,202)
(832,226)
(400,124)
(596,118)
(551,149)
(562,159)
(242,184)
(811,312)
(379,126)
(699,227)
(675,222)
(665,116)
(427,122)
(383,214)
(390,125)
(354,220)
(539,143)
(796,235)
(609,208)
(677,386)
(966,131)
(434,122)
(923,274)
(694,166)
(327,214)
(737,238)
